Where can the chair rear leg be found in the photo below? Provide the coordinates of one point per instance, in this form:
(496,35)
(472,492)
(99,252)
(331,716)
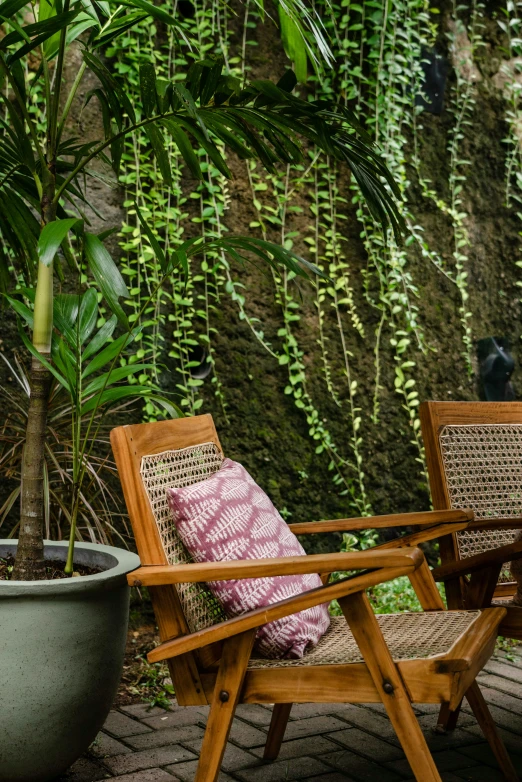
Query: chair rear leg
(488,727)
(276,732)
(229,680)
(448,719)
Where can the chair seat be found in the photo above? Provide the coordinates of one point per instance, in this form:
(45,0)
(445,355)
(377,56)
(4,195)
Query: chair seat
(409,636)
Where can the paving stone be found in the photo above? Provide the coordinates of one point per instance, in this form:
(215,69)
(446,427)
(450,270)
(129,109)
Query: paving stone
(505,670)
(246,736)
(313,726)
(481,774)
(359,768)
(365,744)
(105,746)
(120,725)
(502,718)
(234,758)
(253,712)
(483,754)
(451,760)
(191,715)
(148,775)
(381,708)
(141,710)
(365,719)
(187,771)
(84,770)
(504,685)
(311,745)
(335,776)
(511,740)
(161,738)
(148,758)
(441,742)
(284,770)
(446,776)
(428,722)
(502,699)
(300,710)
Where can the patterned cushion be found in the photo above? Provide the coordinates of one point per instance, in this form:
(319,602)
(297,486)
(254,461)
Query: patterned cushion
(227,516)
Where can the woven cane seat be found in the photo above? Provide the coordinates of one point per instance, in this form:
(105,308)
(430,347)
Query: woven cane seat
(409,636)
(483,471)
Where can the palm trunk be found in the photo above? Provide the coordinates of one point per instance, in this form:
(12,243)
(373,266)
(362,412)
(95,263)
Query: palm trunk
(29,564)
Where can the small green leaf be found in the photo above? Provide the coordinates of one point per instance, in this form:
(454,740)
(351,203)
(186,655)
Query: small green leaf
(107,275)
(51,237)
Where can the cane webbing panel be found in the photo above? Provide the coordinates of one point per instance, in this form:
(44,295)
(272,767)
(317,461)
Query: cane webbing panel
(408,636)
(483,471)
(176,469)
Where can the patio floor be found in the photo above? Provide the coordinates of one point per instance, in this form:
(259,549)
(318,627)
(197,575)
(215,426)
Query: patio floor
(323,743)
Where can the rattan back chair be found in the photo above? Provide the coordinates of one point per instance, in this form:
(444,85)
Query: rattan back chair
(394,659)
(474,456)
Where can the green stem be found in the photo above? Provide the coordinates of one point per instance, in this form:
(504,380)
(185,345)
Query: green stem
(43,309)
(69,101)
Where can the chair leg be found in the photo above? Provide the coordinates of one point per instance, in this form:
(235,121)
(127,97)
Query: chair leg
(229,680)
(448,719)
(276,732)
(389,684)
(488,727)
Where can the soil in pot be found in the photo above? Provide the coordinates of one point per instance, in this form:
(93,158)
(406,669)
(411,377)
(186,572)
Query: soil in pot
(54,569)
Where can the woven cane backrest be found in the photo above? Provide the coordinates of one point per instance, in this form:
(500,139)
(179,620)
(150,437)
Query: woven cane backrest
(177,469)
(483,471)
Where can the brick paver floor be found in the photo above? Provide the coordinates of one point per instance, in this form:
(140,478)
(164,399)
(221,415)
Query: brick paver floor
(323,743)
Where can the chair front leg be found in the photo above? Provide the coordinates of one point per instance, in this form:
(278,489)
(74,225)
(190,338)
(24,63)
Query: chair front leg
(388,682)
(229,680)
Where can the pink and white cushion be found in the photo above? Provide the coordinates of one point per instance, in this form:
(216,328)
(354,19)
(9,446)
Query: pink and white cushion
(228,516)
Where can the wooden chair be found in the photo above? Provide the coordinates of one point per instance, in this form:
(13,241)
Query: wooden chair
(474,455)
(398,659)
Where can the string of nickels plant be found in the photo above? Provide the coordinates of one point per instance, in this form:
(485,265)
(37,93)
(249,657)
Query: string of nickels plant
(460,106)
(511,25)
(293,356)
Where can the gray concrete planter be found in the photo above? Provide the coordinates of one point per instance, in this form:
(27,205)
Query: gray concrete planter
(61,655)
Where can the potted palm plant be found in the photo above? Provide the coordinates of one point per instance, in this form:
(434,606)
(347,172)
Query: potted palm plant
(62,640)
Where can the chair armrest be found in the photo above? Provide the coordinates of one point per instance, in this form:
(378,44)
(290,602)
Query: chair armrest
(463,567)
(292,605)
(158,575)
(422,518)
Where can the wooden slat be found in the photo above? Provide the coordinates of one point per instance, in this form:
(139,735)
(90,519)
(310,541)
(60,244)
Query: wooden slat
(261,616)
(130,444)
(426,589)
(481,587)
(229,680)
(424,518)
(440,531)
(470,646)
(350,683)
(496,523)
(511,625)
(281,566)
(478,561)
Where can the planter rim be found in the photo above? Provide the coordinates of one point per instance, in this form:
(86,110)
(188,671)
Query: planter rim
(118,561)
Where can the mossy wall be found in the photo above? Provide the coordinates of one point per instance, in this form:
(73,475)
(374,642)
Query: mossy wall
(263,427)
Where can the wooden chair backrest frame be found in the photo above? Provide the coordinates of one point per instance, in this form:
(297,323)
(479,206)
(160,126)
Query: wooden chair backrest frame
(435,416)
(130,444)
